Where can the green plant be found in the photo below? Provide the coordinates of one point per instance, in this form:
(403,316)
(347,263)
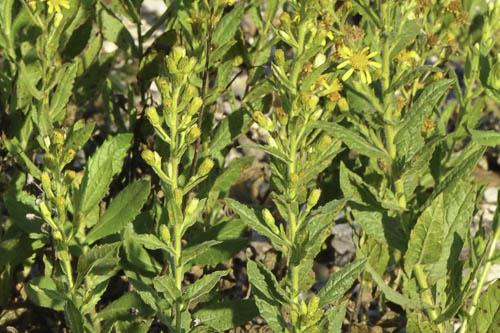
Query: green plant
(122,207)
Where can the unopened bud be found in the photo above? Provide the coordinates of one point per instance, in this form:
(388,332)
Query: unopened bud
(46,184)
(303,308)
(313,305)
(192,206)
(193,134)
(165,234)
(262,120)
(205,167)
(269,220)
(343,105)
(195,106)
(58,137)
(178,196)
(313,198)
(153,116)
(44,210)
(69,156)
(56,235)
(178,52)
(279,55)
(50,161)
(319,60)
(152,158)
(312,102)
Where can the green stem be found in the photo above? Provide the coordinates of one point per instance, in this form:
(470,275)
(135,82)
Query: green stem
(426,293)
(481,281)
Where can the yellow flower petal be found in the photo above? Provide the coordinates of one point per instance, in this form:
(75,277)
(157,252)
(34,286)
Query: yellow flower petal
(373,54)
(374,64)
(368,77)
(347,74)
(362,76)
(343,64)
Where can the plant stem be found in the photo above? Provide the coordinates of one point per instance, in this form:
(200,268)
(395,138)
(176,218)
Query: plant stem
(426,293)
(481,281)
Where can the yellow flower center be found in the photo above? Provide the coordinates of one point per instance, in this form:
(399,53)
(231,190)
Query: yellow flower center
(360,61)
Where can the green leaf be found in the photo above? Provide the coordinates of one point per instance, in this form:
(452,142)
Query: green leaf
(406,36)
(41,291)
(228,25)
(408,137)
(231,174)
(106,162)
(265,282)
(275,152)
(222,252)
(166,284)
(353,140)
(486,138)
(336,317)
(115,31)
(391,294)
(100,260)
(74,318)
(63,93)
(120,309)
(486,319)
(202,286)
(227,314)
(249,217)
(426,238)
(79,135)
(122,210)
(338,284)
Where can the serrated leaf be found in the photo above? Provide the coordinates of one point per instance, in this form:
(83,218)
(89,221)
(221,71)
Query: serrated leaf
(106,162)
(486,319)
(202,286)
(353,140)
(231,174)
(74,319)
(425,243)
(338,284)
(41,290)
(249,217)
(336,317)
(63,92)
(122,210)
(228,25)
(79,135)
(408,137)
(391,294)
(227,314)
(265,282)
(486,138)
(406,36)
(121,308)
(100,260)
(115,31)
(166,284)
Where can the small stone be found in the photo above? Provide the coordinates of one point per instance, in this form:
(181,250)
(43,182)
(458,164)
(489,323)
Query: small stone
(491,194)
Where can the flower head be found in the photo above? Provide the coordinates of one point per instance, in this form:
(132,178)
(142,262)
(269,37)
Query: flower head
(359,62)
(57,5)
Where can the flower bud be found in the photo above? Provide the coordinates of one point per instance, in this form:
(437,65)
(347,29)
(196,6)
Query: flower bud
(153,116)
(165,234)
(313,305)
(152,158)
(44,210)
(262,120)
(193,134)
(58,137)
(269,220)
(195,106)
(46,184)
(319,60)
(313,198)
(69,155)
(178,196)
(205,167)
(279,55)
(56,235)
(178,52)
(192,206)
(343,105)
(303,308)
(50,161)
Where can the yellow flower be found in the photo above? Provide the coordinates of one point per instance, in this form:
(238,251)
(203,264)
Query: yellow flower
(408,59)
(55,5)
(359,62)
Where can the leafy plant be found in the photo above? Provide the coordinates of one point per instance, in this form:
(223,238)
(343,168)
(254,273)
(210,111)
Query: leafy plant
(144,159)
